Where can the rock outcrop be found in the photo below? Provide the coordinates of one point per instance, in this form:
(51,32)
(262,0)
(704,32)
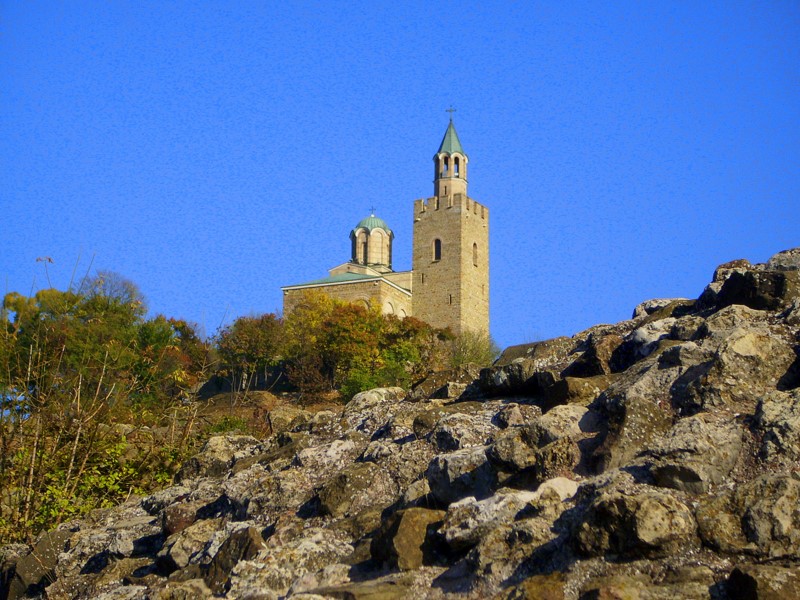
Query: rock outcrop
(653,458)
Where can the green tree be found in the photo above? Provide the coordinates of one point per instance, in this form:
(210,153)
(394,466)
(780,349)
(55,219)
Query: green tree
(249,348)
(72,367)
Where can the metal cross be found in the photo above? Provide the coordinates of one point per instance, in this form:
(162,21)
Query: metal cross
(372,211)
(450,110)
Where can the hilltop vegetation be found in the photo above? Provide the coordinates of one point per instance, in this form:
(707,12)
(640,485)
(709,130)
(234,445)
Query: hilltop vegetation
(99,401)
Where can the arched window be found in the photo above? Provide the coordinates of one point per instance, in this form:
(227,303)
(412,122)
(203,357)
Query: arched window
(437,249)
(475,254)
(455,166)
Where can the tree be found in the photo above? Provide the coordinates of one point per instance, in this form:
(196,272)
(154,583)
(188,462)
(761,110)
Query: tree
(72,366)
(249,347)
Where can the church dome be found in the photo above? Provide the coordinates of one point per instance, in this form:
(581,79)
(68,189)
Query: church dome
(372,222)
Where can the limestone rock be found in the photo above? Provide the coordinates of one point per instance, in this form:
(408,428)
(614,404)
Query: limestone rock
(217,456)
(649,523)
(696,454)
(456,431)
(570,420)
(539,587)
(578,390)
(356,487)
(648,307)
(761,290)
(188,545)
(542,355)
(274,569)
(444,384)
(325,459)
(596,359)
(360,412)
(193,589)
(748,362)
(638,411)
(778,420)
(460,474)
(517,377)
(283,417)
(401,541)
(469,520)
(242,544)
(640,343)
(529,451)
(761,517)
(512,414)
(35,570)
(763,582)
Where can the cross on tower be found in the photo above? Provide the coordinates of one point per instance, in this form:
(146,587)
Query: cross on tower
(450,110)
(372,211)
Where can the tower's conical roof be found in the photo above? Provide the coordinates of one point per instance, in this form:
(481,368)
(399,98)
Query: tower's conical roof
(450,142)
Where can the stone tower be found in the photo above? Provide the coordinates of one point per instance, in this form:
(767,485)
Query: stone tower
(450,258)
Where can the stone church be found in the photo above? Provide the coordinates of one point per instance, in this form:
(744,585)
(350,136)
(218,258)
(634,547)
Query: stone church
(448,285)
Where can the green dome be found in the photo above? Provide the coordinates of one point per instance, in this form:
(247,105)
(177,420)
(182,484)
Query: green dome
(372,222)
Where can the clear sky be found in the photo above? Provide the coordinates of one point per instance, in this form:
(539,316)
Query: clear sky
(215,151)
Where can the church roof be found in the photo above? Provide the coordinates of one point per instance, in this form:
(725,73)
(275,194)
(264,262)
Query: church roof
(344,278)
(340,278)
(373,222)
(450,142)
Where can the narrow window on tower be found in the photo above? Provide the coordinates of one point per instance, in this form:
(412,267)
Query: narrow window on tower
(455,166)
(364,253)
(475,254)
(437,249)
(450,298)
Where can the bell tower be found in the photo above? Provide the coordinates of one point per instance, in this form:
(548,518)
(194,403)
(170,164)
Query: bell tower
(451,247)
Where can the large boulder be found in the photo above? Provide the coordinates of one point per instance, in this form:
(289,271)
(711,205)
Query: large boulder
(356,487)
(460,474)
(33,571)
(534,454)
(403,540)
(761,517)
(787,260)
(778,420)
(695,454)
(368,411)
(761,290)
(763,582)
(458,430)
(444,384)
(648,523)
(469,520)
(274,569)
(748,362)
(543,355)
(218,455)
(242,544)
(638,410)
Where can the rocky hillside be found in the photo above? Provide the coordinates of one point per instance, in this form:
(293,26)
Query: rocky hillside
(655,458)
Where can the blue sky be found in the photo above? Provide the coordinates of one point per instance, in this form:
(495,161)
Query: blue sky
(214,151)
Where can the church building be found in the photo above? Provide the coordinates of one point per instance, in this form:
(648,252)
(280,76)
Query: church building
(448,285)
